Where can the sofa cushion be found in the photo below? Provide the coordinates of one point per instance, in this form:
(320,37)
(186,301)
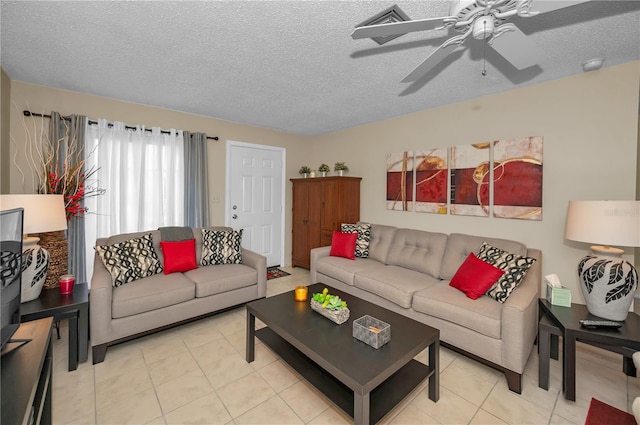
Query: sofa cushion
(393,283)
(460,245)
(447,303)
(343,245)
(179,256)
(221,247)
(130,260)
(475,276)
(151,293)
(381,237)
(197,234)
(364,237)
(418,250)
(221,278)
(342,269)
(515,267)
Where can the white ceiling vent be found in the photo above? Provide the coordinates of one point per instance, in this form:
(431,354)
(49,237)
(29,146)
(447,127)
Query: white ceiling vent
(388,16)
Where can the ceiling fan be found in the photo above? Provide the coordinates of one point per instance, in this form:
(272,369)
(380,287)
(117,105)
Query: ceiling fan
(483,20)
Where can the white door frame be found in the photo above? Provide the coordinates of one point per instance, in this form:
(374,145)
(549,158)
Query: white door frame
(227,195)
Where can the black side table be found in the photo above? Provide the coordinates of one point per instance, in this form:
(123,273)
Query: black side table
(74,307)
(565,321)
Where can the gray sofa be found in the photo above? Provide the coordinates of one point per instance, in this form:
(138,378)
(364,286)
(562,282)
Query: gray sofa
(160,301)
(408,271)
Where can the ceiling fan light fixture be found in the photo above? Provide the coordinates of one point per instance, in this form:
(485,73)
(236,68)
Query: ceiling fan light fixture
(483,27)
(592,64)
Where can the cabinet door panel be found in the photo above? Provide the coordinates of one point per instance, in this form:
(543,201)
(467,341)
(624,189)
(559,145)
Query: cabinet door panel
(320,205)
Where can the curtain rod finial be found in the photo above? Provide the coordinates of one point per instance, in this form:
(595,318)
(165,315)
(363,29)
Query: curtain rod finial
(26,113)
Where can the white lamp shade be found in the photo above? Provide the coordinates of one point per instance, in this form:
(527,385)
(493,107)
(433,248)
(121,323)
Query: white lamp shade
(604,222)
(42,213)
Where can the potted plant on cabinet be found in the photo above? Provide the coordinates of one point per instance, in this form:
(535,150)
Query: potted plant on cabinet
(305,171)
(340,168)
(324,169)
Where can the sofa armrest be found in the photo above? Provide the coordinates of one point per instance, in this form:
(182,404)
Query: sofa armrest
(258,262)
(100,300)
(520,317)
(316,254)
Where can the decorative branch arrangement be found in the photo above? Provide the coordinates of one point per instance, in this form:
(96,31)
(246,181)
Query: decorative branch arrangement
(58,167)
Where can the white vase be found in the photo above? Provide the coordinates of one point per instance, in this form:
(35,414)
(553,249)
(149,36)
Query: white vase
(323,174)
(608,284)
(35,264)
(341,173)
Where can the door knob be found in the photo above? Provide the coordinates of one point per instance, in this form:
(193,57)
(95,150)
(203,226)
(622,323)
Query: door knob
(235,216)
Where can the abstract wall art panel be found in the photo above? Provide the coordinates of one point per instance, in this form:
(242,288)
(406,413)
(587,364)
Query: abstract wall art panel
(400,181)
(431,180)
(469,165)
(517,178)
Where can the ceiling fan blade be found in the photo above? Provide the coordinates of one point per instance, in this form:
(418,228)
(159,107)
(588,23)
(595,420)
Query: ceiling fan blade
(435,58)
(544,6)
(515,46)
(395,28)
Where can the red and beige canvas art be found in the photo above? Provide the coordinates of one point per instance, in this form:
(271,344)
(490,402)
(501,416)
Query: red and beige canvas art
(431,181)
(400,181)
(517,178)
(470,169)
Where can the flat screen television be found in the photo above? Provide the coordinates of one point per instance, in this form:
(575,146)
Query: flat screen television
(10,271)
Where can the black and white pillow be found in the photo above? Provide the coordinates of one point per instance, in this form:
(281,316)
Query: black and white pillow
(221,247)
(515,267)
(130,260)
(364,237)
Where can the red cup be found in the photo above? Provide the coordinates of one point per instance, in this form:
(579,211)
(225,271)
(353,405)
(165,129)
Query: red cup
(66,284)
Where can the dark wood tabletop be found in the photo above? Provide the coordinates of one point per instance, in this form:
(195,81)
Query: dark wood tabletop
(26,373)
(365,382)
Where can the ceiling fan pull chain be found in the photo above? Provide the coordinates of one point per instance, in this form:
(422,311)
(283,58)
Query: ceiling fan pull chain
(484,52)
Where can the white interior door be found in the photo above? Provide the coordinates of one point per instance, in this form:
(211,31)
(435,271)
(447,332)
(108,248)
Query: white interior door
(254,197)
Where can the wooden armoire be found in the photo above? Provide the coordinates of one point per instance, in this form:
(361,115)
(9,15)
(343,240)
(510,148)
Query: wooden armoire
(320,205)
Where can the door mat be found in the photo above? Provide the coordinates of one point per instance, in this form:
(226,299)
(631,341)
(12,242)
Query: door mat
(604,414)
(274,273)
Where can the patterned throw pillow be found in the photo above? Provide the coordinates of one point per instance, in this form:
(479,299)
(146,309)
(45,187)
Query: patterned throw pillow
(130,260)
(514,266)
(364,237)
(221,247)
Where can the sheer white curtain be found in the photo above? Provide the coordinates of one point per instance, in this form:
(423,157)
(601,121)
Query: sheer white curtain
(143,175)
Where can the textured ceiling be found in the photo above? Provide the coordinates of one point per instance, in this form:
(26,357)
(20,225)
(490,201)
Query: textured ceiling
(287,65)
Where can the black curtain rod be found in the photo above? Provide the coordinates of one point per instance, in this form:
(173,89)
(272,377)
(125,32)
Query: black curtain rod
(35,114)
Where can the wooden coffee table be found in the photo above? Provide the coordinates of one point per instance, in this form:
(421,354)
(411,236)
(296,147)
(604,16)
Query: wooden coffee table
(364,382)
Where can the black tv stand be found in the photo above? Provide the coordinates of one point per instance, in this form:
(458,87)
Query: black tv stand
(26,392)
(21,341)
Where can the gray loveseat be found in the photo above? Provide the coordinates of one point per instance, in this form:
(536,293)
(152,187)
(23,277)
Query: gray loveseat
(160,301)
(408,271)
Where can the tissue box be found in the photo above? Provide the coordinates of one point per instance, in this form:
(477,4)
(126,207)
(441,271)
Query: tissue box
(559,296)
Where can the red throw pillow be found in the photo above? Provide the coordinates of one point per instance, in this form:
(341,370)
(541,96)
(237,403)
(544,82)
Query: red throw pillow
(344,245)
(475,277)
(179,256)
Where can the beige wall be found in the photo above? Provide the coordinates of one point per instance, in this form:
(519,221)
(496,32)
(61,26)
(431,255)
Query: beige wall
(589,123)
(590,127)
(45,99)
(5,144)
(637,250)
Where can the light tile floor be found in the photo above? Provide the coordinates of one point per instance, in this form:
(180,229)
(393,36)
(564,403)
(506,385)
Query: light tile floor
(196,374)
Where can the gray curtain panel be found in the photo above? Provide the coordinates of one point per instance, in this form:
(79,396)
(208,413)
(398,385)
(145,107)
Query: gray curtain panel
(196,194)
(60,130)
